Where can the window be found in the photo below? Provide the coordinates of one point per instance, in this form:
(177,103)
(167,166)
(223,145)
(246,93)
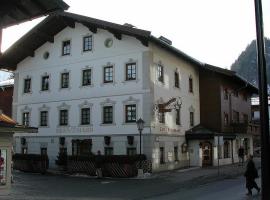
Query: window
(160,73)
(176,80)
(82,147)
(226,149)
(162,155)
(161,116)
(191,118)
(86,77)
(27,85)
(226,95)
(66,48)
(226,119)
(178,117)
(108,151)
(131,113)
(87,43)
(131,151)
(175,150)
(190,80)
(44,118)
(131,71)
(85,116)
(63,117)
(45,83)
(25,118)
(235,116)
(43,151)
(65,80)
(107,115)
(108,74)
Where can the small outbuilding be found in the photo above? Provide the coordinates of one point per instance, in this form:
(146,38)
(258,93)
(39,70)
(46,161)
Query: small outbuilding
(7,128)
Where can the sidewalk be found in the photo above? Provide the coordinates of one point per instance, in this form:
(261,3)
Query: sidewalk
(201,175)
(208,174)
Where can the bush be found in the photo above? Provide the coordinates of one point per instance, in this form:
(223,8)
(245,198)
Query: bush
(61,159)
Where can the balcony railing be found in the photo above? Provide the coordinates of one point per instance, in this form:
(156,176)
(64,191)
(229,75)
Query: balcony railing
(243,127)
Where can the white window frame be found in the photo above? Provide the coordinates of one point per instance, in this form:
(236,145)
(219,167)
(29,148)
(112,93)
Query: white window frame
(130,101)
(107,102)
(44,108)
(89,105)
(63,106)
(87,68)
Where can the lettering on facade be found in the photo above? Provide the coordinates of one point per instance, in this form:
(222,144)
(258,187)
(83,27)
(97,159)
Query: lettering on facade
(168,130)
(74,129)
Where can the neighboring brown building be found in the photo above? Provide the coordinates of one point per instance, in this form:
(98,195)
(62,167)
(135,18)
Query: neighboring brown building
(6,93)
(225,116)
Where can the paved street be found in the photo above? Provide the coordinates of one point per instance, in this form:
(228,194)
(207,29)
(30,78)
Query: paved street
(193,184)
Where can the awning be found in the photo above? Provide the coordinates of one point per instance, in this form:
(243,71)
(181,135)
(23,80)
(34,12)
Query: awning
(200,132)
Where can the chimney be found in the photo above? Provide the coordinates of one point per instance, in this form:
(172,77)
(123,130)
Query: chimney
(165,40)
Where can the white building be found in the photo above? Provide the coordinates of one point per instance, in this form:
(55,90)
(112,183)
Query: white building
(84,82)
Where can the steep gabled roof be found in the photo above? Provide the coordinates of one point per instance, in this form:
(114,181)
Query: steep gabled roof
(232,75)
(53,24)
(17,11)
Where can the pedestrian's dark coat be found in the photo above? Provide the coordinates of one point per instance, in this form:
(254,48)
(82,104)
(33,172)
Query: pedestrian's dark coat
(250,174)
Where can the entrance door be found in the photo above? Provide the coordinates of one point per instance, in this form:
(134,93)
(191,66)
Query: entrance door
(206,154)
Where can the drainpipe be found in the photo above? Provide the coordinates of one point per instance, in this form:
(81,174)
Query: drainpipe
(1,30)
(232,150)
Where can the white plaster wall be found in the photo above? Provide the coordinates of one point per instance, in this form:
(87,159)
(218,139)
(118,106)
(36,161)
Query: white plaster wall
(167,90)
(118,55)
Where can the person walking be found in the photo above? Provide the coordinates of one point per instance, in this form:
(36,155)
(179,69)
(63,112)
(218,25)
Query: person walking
(98,165)
(251,174)
(241,155)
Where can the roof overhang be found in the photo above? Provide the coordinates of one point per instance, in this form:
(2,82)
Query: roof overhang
(53,24)
(232,76)
(18,129)
(199,132)
(17,11)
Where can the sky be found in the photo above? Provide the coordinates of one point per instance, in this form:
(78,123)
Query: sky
(211,31)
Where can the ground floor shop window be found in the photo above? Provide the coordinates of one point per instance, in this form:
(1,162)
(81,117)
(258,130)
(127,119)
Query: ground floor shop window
(226,149)
(176,153)
(131,151)
(246,146)
(82,147)
(108,151)
(3,166)
(162,155)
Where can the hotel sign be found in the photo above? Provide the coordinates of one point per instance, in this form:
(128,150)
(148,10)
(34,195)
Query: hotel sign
(74,129)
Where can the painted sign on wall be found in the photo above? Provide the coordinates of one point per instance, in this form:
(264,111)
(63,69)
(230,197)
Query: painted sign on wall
(3,166)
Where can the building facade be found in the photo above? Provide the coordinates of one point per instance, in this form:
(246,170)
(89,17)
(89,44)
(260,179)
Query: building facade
(6,93)
(225,118)
(86,83)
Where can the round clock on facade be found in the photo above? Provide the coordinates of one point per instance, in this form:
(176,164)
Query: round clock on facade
(108,42)
(46,55)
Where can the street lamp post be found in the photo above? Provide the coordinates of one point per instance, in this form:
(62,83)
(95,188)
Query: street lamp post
(140,126)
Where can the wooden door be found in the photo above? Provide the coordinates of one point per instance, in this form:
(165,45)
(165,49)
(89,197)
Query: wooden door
(206,154)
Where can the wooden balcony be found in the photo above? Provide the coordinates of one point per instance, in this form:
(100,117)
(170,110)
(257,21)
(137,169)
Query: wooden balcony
(243,127)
